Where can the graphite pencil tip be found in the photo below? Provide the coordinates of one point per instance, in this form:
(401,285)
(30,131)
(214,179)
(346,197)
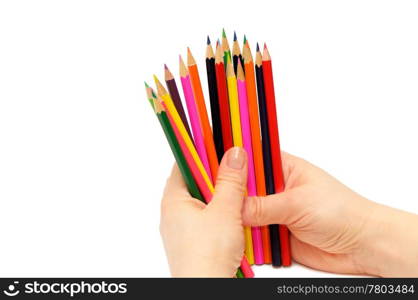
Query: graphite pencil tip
(208,41)
(257,47)
(223,33)
(235,36)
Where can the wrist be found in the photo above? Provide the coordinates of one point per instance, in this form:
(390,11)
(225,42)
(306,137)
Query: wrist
(387,243)
(203,267)
(204,271)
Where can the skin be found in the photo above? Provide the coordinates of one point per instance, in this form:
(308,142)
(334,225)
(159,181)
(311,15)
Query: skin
(332,228)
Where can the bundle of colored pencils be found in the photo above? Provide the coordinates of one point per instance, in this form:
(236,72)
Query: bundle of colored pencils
(243,113)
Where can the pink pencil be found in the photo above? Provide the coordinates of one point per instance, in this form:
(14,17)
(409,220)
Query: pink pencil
(246,139)
(194,116)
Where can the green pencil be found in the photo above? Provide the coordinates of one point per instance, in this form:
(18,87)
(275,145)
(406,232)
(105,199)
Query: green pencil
(174,144)
(225,48)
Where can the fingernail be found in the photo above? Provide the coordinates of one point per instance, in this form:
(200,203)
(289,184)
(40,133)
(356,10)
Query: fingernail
(236,158)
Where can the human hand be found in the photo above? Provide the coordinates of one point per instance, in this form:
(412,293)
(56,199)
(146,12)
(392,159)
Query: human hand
(206,240)
(333,228)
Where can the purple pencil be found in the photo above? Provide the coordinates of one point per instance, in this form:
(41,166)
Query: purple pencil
(175,96)
(246,139)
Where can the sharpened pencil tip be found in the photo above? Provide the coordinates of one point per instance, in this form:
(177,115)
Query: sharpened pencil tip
(208,41)
(257,47)
(235,36)
(245,39)
(165,67)
(265,46)
(217,43)
(223,33)
(146,85)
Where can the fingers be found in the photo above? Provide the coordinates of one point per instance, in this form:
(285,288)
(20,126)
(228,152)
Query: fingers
(283,208)
(175,188)
(288,206)
(231,182)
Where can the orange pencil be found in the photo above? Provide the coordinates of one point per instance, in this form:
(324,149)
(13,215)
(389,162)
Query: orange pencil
(256,141)
(201,107)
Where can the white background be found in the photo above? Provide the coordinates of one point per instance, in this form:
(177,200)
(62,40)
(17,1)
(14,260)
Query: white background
(83,160)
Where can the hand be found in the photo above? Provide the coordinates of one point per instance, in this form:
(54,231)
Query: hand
(206,240)
(333,228)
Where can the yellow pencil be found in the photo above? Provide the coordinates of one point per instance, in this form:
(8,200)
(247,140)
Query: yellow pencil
(237,137)
(234,104)
(162,93)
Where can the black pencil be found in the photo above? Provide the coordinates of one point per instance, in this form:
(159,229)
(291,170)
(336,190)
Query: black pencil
(268,167)
(236,54)
(214,101)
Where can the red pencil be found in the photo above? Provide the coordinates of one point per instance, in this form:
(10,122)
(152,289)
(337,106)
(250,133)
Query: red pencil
(223,99)
(275,148)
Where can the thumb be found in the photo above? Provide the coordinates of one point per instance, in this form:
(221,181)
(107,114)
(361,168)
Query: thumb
(283,208)
(231,182)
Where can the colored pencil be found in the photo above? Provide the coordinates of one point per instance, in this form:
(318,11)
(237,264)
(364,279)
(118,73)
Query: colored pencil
(174,93)
(225,48)
(254,120)
(233,104)
(236,54)
(246,137)
(268,169)
(223,100)
(275,148)
(237,138)
(214,101)
(194,116)
(174,145)
(150,94)
(165,96)
(256,141)
(201,108)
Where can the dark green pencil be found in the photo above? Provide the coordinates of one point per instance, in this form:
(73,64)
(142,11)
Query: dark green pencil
(174,144)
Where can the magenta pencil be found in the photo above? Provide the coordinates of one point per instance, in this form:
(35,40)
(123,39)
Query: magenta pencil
(246,139)
(194,116)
